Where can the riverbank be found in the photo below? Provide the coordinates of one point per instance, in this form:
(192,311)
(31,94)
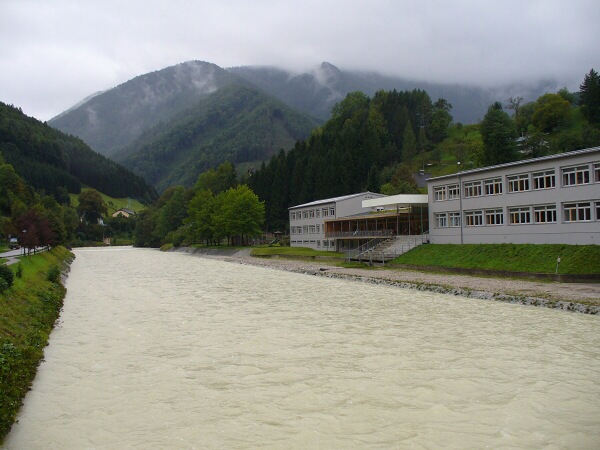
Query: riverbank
(29,310)
(576,297)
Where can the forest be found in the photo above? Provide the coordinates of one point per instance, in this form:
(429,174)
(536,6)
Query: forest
(56,163)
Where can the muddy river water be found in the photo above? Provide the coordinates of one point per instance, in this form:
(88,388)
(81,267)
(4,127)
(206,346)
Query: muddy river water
(167,350)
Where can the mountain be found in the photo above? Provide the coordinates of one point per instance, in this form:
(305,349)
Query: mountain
(317,91)
(236,123)
(113,119)
(50,160)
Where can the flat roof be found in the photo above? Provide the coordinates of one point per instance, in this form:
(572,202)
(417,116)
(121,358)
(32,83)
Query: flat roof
(396,200)
(333,200)
(522,162)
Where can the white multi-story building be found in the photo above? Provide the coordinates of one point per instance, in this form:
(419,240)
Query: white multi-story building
(547,200)
(307,221)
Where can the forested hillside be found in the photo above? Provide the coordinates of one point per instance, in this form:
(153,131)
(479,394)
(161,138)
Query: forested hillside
(57,163)
(315,92)
(115,118)
(378,143)
(236,124)
(349,152)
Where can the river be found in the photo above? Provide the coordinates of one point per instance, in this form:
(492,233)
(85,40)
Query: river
(167,350)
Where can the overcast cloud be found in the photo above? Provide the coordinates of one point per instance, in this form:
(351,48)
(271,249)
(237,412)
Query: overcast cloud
(53,53)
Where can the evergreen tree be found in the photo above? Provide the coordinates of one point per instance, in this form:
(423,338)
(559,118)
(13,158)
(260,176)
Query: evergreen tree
(409,142)
(498,135)
(589,97)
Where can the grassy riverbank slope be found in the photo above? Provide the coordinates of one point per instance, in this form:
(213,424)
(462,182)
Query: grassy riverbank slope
(529,258)
(28,311)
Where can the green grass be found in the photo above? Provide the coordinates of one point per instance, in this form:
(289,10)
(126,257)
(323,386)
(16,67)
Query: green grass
(530,258)
(28,311)
(113,203)
(294,251)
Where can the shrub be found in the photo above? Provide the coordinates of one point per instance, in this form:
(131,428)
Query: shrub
(53,274)
(19,273)
(3,285)
(6,275)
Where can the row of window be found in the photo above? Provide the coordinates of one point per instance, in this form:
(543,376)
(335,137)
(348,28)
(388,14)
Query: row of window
(307,229)
(325,244)
(571,212)
(312,213)
(543,179)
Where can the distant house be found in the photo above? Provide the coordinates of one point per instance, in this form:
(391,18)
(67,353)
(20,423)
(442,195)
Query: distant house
(124,212)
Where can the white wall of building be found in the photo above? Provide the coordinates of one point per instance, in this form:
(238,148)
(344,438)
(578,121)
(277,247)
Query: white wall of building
(553,199)
(307,221)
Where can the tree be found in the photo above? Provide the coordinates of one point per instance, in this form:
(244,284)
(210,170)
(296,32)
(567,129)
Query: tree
(514,103)
(218,180)
(172,214)
(409,142)
(498,135)
(91,205)
(589,97)
(568,96)
(200,210)
(550,111)
(239,213)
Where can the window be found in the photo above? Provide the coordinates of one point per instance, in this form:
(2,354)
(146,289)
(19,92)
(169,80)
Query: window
(325,212)
(544,180)
(519,215)
(318,212)
(454,219)
(597,210)
(472,188)
(311,214)
(473,218)
(518,183)
(312,229)
(304,214)
(493,186)
(318,243)
(597,173)
(572,176)
(298,230)
(325,243)
(544,214)
(305,229)
(439,194)
(453,192)
(292,216)
(441,220)
(494,217)
(332,212)
(318,228)
(577,212)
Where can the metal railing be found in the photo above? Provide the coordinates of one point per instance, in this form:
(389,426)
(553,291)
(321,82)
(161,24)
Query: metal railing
(370,251)
(360,234)
(356,252)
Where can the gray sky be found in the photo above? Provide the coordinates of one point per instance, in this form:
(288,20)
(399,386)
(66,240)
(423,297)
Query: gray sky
(53,53)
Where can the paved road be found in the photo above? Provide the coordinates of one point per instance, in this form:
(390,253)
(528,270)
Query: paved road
(12,255)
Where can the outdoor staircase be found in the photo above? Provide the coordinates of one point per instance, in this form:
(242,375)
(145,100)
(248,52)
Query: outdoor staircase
(390,249)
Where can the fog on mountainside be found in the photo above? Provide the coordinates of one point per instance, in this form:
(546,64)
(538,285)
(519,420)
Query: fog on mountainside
(172,124)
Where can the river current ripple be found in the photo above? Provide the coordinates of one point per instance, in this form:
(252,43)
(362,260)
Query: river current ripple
(167,350)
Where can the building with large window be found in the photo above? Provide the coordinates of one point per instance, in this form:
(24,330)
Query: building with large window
(346,223)
(307,221)
(547,200)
